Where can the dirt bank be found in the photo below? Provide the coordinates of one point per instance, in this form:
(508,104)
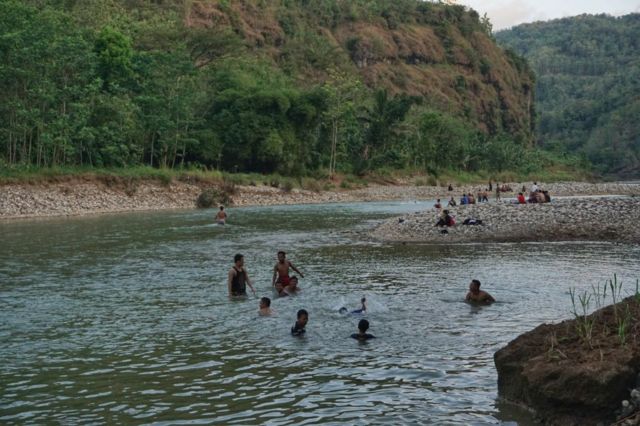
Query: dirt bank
(576,372)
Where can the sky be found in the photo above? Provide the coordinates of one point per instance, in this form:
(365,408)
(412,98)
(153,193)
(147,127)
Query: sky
(507,13)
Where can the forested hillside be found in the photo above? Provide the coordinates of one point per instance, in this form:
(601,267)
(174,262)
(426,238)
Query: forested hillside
(588,86)
(288,86)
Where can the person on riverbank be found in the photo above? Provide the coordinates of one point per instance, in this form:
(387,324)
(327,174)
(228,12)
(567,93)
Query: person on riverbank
(238,278)
(464,200)
(497,192)
(521,199)
(298,328)
(221,217)
(265,307)
(451,203)
(362,334)
(477,295)
(446,219)
(471,199)
(281,278)
(437,205)
(534,187)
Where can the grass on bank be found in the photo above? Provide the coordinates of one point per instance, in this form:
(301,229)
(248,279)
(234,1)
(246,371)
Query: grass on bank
(318,181)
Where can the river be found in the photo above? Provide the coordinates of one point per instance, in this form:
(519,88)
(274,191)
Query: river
(125,319)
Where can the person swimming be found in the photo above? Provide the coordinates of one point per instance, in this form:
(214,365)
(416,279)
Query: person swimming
(362,310)
(362,334)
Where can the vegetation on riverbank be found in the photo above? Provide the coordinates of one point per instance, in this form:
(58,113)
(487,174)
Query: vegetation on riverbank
(318,181)
(283,87)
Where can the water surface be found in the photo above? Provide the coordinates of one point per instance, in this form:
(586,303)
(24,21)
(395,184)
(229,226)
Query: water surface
(125,319)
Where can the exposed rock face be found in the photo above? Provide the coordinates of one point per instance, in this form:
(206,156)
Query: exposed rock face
(427,49)
(568,380)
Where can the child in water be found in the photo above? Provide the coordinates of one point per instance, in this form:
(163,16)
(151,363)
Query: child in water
(298,327)
(265,307)
(362,310)
(362,334)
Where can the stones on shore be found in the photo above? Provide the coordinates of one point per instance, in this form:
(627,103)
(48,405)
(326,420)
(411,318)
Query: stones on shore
(598,219)
(98,196)
(629,413)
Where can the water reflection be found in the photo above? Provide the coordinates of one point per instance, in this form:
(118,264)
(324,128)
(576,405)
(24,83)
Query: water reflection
(125,319)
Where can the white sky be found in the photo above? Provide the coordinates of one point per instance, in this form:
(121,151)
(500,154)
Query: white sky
(507,13)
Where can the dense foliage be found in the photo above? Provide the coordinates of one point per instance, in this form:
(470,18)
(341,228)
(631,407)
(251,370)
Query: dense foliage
(110,83)
(588,70)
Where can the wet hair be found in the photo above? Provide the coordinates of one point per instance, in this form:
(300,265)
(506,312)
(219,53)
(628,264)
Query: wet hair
(238,257)
(364,299)
(363,325)
(221,207)
(266,301)
(302,312)
(282,252)
(343,310)
(293,278)
(476,282)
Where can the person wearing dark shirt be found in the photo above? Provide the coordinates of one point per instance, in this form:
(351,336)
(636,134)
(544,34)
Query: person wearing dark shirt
(362,334)
(298,327)
(238,278)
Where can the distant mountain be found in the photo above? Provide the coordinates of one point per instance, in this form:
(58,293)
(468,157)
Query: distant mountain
(588,86)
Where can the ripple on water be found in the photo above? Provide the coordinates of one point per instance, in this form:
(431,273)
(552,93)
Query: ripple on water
(125,319)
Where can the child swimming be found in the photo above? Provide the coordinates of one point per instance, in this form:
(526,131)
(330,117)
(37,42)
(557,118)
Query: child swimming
(362,310)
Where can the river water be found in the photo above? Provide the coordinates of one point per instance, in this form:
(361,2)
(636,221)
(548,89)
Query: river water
(125,319)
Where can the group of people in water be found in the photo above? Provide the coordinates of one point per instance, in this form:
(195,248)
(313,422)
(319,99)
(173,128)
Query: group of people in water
(285,285)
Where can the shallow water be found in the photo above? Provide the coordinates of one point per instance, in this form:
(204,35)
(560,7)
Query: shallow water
(125,319)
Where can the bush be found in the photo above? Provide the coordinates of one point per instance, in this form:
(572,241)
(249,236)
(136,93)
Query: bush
(287,186)
(214,196)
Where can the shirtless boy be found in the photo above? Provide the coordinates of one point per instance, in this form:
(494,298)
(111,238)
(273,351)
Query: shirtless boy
(281,272)
(221,217)
(477,295)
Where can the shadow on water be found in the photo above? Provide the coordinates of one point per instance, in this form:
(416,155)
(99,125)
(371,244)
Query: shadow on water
(126,319)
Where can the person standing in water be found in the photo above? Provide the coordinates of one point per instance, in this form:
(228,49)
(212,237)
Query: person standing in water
(221,217)
(298,328)
(281,278)
(477,295)
(238,278)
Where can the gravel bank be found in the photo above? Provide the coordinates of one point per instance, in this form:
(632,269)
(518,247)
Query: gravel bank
(92,197)
(594,219)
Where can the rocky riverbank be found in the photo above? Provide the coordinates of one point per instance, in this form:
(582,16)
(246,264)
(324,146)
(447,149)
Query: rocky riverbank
(579,371)
(91,196)
(569,219)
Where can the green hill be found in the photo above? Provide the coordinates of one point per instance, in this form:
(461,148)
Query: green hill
(588,86)
(289,86)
